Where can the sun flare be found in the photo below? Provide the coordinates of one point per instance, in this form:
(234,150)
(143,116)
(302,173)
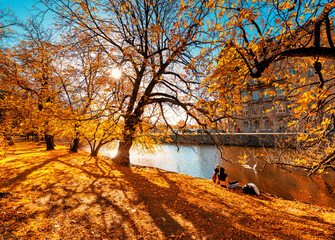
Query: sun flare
(116,73)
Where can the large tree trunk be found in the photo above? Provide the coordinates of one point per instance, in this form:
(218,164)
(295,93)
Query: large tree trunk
(75,145)
(122,156)
(49,140)
(95,152)
(76,140)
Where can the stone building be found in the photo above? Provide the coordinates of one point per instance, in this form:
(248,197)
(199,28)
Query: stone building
(266,108)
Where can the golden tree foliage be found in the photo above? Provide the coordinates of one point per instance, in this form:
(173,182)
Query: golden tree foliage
(7,21)
(152,43)
(35,60)
(164,50)
(89,94)
(255,37)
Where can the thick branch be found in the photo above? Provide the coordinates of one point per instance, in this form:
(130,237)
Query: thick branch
(323,52)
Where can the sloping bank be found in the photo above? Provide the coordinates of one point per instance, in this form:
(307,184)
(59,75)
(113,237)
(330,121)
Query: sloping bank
(61,195)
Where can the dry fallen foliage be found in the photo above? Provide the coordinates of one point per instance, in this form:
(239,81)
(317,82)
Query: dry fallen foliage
(62,195)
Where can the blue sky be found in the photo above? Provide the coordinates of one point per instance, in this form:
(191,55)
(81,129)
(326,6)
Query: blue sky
(20,7)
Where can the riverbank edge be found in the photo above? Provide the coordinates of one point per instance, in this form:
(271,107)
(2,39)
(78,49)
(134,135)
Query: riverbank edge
(159,190)
(65,144)
(269,140)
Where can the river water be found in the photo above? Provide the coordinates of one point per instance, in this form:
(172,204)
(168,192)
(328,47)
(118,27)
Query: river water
(199,161)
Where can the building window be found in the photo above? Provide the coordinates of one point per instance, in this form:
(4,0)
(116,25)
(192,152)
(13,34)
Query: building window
(279,91)
(266,93)
(245,125)
(255,95)
(244,96)
(268,124)
(255,110)
(267,108)
(245,111)
(281,108)
(277,64)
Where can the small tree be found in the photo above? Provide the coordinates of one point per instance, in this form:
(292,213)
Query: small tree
(88,92)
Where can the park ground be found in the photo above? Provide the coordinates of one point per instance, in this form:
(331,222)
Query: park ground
(62,195)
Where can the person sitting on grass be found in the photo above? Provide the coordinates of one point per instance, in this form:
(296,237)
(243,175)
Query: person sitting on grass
(221,178)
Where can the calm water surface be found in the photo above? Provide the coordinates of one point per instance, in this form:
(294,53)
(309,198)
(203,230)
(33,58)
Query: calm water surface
(199,161)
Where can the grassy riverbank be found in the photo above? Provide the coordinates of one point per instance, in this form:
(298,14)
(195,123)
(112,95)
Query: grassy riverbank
(61,195)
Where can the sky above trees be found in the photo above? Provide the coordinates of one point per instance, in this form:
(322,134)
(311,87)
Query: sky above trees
(20,7)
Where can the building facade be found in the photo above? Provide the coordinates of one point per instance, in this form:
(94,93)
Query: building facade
(266,107)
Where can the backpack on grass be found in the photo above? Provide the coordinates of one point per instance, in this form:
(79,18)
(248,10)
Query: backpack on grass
(251,189)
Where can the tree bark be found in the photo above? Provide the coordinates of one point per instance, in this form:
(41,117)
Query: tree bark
(95,152)
(49,140)
(36,137)
(122,156)
(95,148)
(75,145)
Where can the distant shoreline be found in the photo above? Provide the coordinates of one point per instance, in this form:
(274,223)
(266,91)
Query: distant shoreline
(235,139)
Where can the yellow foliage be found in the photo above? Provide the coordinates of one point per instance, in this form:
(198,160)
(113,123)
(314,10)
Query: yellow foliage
(243,159)
(58,195)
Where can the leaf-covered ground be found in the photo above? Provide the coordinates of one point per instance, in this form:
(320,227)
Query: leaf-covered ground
(62,195)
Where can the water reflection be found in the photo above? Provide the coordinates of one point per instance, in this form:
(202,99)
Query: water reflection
(199,161)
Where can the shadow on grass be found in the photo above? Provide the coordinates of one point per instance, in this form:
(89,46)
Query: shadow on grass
(81,197)
(164,202)
(6,183)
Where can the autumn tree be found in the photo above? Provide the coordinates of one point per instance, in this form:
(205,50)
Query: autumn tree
(7,70)
(151,41)
(35,59)
(255,36)
(88,93)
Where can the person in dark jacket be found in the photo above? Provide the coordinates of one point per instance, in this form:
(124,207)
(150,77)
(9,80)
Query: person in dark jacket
(221,176)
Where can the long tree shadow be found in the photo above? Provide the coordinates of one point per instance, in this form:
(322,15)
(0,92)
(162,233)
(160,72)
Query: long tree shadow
(112,199)
(61,195)
(118,216)
(5,183)
(99,170)
(305,220)
(156,209)
(160,205)
(163,201)
(228,222)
